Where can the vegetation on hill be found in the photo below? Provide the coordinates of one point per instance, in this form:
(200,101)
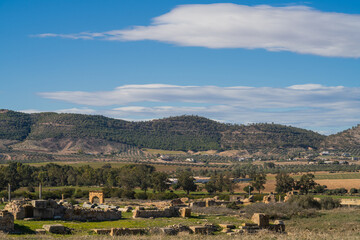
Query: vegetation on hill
(175,133)
(349,138)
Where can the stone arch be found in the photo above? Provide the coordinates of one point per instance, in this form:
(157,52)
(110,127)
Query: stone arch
(98,194)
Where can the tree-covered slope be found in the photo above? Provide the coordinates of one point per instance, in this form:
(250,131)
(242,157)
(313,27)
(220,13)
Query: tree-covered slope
(14,125)
(343,140)
(174,133)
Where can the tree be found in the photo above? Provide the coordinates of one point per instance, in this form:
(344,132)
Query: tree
(306,183)
(284,183)
(210,187)
(247,190)
(160,181)
(258,181)
(186,181)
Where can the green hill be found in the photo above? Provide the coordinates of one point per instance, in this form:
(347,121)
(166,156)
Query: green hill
(174,133)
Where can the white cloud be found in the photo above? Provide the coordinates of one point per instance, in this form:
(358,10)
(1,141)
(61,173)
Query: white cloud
(310,106)
(224,25)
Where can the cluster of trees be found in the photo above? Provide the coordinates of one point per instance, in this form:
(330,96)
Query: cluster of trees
(285,183)
(219,182)
(126,177)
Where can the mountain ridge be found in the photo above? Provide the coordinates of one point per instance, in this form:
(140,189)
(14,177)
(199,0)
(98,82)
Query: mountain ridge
(186,132)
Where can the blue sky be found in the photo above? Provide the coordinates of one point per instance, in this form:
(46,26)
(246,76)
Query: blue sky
(288,62)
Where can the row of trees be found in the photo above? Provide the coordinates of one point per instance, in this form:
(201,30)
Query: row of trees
(127,177)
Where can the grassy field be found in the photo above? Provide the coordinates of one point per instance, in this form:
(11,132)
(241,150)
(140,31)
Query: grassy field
(340,223)
(84,228)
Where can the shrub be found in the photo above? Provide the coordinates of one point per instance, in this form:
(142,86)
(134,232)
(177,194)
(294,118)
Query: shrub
(224,197)
(233,205)
(68,192)
(353,191)
(164,196)
(116,192)
(128,194)
(141,195)
(304,201)
(329,203)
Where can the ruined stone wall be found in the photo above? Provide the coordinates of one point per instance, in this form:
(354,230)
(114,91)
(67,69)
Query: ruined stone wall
(85,214)
(6,221)
(167,212)
(50,209)
(16,207)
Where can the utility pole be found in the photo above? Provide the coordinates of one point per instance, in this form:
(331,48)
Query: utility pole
(40,191)
(9,192)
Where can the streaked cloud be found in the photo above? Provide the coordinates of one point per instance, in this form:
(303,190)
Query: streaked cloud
(311,106)
(296,29)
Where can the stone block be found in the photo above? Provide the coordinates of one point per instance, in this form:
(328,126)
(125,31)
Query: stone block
(6,221)
(168,231)
(127,231)
(185,212)
(231,226)
(44,213)
(39,203)
(204,230)
(55,228)
(40,231)
(261,219)
(102,231)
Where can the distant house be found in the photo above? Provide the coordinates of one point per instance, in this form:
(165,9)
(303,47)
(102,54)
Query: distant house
(165,158)
(325,153)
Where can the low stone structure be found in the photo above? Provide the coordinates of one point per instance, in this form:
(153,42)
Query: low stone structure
(50,209)
(166,212)
(128,231)
(75,213)
(289,195)
(261,219)
(204,230)
(185,212)
(6,221)
(102,231)
(55,228)
(269,199)
(210,202)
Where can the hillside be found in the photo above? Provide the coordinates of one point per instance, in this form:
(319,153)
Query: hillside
(344,140)
(58,132)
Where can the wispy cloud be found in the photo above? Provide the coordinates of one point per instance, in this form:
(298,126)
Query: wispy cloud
(311,106)
(297,29)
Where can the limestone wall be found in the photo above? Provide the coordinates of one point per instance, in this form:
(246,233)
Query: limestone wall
(85,214)
(6,221)
(167,212)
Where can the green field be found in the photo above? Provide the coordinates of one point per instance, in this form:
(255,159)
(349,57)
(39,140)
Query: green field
(84,228)
(342,223)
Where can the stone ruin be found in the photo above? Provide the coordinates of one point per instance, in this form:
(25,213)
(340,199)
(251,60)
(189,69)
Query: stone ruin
(96,194)
(50,209)
(259,221)
(167,212)
(210,202)
(269,199)
(170,230)
(289,195)
(6,221)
